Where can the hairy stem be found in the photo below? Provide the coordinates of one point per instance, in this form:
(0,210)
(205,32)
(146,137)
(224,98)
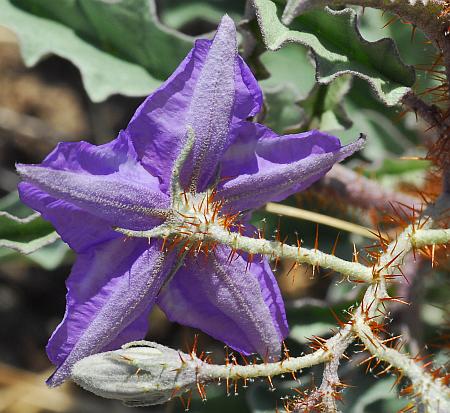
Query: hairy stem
(278,250)
(273,249)
(422,14)
(330,379)
(433,394)
(423,237)
(429,113)
(292,364)
(178,372)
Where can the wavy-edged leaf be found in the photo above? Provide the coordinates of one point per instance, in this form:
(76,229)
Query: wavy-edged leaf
(24,220)
(23,229)
(23,232)
(295,7)
(338,48)
(294,101)
(30,246)
(280,63)
(119,47)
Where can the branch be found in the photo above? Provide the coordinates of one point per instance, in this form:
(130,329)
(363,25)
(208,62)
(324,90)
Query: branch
(421,13)
(429,113)
(363,192)
(330,380)
(432,392)
(434,395)
(216,234)
(148,373)
(421,238)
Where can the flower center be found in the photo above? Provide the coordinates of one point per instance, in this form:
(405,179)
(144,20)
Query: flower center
(197,216)
(197,212)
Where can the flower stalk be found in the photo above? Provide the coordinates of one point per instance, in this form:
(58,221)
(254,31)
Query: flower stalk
(273,249)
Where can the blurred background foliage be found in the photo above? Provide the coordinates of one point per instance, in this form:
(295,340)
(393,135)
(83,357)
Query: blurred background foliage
(78,71)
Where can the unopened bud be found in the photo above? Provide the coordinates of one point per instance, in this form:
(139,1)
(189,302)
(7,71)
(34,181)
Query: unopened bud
(140,374)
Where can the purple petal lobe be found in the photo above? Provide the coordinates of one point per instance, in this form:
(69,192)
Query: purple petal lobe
(123,203)
(96,160)
(110,292)
(78,228)
(159,126)
(211,107)
(267,167)
(106,182)
(239,306)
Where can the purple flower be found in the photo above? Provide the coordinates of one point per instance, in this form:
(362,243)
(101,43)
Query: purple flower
(86,191)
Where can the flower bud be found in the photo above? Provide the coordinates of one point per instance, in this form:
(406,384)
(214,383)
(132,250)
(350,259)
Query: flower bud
(140,374)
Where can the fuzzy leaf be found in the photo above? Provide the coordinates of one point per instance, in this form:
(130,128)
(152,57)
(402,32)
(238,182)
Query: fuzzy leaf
(30,246)
(339,48)
(279,65)
(25,232)
(119,47)
(294,8)
(323,107)
(22,229)
(17,229)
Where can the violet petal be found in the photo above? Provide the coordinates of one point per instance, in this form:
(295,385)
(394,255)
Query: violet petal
(238,305)
(211,108)
(112,186)
(78,228)
(265,167)
(110,291)
(159,126)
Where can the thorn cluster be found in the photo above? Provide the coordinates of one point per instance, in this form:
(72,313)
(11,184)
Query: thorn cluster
(197,212)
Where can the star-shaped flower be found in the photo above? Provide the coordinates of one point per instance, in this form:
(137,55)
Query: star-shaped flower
(192,135)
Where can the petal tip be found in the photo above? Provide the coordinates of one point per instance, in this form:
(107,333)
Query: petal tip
(359,143)
(226,29)
(56,379)
(227,21)
(24,170)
